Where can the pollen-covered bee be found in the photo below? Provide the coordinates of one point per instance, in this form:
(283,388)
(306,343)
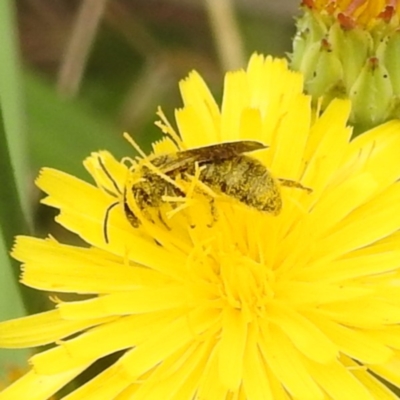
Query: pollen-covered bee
(223,167)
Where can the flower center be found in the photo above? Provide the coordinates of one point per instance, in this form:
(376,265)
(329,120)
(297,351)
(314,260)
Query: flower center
(351,13)
(232,274)
(245,284)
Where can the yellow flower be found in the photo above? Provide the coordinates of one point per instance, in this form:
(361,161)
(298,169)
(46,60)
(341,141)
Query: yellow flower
(239,304)
(351,49)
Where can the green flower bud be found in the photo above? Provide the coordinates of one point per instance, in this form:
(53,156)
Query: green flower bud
(351,55)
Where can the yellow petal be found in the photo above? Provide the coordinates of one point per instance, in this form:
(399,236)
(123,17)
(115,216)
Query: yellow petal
(283,358)
(40,329)
(38,387)
(231,348)
(338,382)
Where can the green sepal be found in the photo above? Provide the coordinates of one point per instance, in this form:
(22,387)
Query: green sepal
(372,94)
(392,60)
(350,62)
(327,77)
(352,48)
(310,31)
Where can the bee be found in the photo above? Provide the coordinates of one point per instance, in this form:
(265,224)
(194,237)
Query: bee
(224,167)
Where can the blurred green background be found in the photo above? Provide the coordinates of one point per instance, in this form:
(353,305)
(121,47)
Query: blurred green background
(93,69)
(75,74)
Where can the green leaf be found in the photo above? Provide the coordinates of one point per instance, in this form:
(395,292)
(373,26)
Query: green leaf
(14,204)
(63,133)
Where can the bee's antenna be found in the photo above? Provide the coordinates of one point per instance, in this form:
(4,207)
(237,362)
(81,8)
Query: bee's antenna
(131,141)
(106,217)
(109,176)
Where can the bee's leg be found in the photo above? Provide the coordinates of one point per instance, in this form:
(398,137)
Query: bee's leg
(132,218)
(293,184)
(160,217)
(214,212)
(202,187)
(213,209)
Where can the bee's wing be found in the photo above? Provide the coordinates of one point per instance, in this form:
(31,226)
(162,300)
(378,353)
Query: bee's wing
(219,151)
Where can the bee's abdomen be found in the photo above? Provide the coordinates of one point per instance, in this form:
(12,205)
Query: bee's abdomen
(246,180)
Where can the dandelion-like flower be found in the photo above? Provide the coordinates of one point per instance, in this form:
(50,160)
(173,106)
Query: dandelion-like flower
(350,49)
(233,303)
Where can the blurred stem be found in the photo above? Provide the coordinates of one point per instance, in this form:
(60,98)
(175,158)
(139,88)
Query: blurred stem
(226,33)
(12,109)
(130,26)
(15,213)
(141,100)
(77,51)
